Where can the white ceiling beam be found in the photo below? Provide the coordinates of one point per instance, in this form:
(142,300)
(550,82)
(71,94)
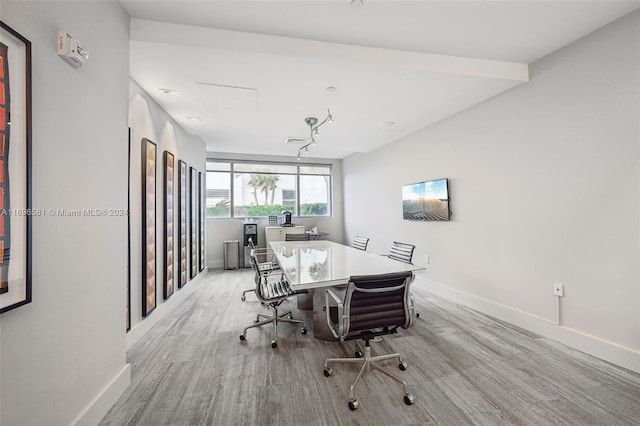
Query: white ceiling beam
(176,34)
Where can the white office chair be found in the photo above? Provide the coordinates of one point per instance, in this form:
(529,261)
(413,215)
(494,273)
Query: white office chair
(266,261)
(360,243)
(402,252)
(272,289)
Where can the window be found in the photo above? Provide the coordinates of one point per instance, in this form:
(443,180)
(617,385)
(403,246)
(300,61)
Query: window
(219,194)
(289,197)
(251,189)
(315,189)
(314,196)
(262,194)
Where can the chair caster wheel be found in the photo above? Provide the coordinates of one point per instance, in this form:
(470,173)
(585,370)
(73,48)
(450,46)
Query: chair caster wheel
(358,354)
(290,316)
(243,337)
(304,330)
(353,405)
(243,298)
(402,366)
(328,372)
(257,320)
(408,399)
(274,344)
(417,314)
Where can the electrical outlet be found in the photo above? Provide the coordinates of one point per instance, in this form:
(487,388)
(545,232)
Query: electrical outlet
(558,289)
(426,259)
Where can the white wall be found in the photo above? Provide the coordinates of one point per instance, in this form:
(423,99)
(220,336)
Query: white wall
(544,188)
(62,357)
(219,230)
(148,120)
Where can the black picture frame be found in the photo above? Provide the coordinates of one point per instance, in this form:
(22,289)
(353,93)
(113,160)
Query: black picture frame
(15,191)
(149,238)
(128,307)
(193,223)
(202,217)
(168,282)
(183,220)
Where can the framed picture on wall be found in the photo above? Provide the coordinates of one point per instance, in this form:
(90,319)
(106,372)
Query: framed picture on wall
(182,222)
(128,306)
(15,169)
(169,178)
(149,159)
(193,223)
(202,213)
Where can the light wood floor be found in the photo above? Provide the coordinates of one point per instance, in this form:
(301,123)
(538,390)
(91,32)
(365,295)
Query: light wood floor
(464,369)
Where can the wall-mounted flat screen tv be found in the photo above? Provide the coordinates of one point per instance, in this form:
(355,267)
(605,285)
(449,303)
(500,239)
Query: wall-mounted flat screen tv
(427,200)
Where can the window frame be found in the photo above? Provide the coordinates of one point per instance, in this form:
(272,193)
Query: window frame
(298,166)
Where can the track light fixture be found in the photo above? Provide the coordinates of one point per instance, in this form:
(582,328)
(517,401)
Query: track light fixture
(312,122)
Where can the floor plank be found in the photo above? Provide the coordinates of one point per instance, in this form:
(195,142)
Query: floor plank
(465,368)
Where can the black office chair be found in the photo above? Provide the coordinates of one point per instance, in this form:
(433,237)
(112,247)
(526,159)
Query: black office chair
(360,243)
(272,289)
(297,237)
(266,260)
(402,252)
(373,305)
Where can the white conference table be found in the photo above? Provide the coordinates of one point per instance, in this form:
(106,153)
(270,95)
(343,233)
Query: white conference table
(310,265)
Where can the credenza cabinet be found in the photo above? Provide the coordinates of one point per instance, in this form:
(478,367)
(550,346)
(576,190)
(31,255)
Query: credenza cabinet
(277,233)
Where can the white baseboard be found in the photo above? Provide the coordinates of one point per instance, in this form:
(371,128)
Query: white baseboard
(139,330)
(96,410)
(215,264)
(219,264)
(609,351)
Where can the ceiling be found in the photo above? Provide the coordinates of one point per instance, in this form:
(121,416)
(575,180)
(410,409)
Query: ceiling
(251,71)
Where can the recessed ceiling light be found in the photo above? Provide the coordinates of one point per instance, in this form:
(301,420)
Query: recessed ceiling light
(169,92)
(331,89)
(194,118)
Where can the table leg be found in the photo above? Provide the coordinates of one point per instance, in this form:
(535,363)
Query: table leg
(305,301)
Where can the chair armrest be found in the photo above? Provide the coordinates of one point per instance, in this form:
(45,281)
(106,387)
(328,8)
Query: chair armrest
(266,274)
(412,310)
(339,333)
(264,255)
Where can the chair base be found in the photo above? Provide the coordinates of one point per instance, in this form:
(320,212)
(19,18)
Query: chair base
(369,362)
(275,319)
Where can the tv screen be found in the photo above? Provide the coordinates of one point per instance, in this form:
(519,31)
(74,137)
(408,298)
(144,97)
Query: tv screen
(426,200)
